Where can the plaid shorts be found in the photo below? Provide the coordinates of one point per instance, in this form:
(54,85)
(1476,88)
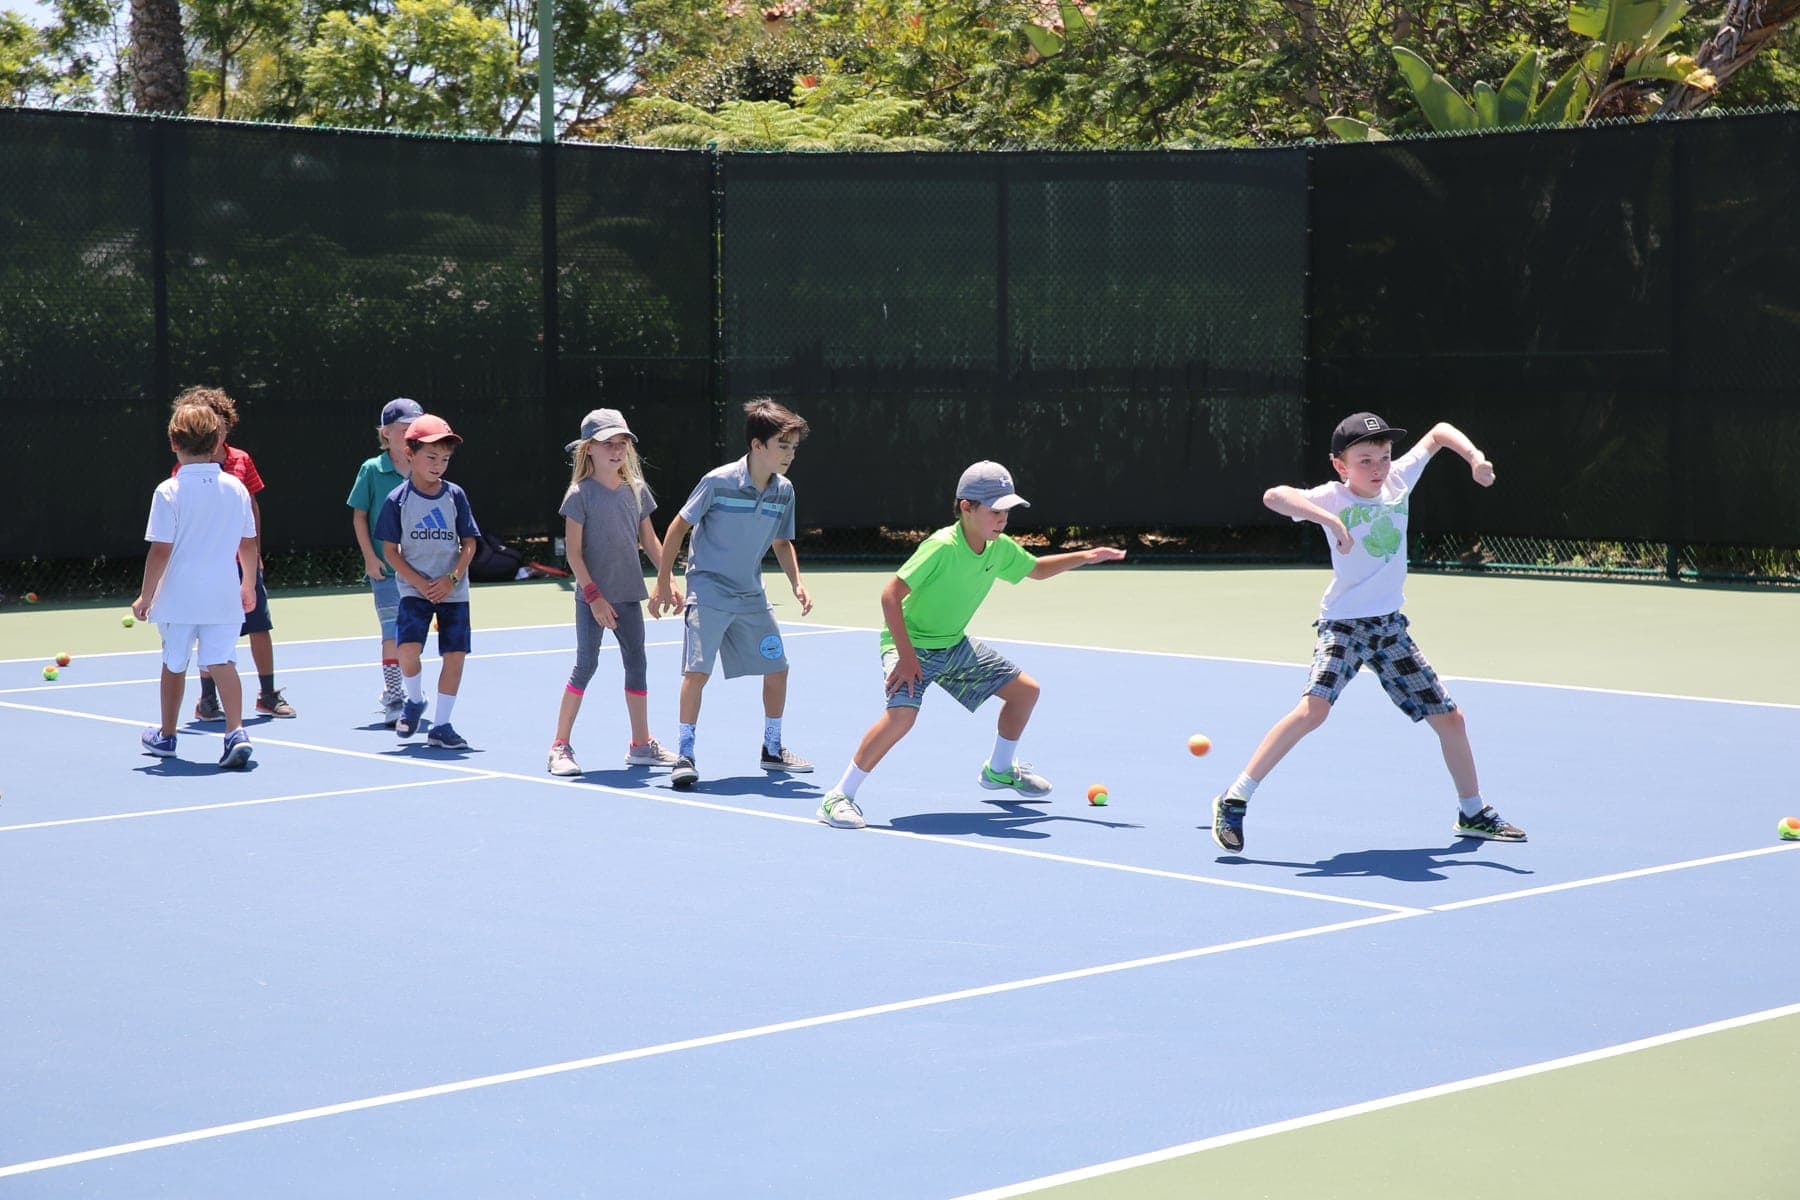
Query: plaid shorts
(969,671)
(1382,644)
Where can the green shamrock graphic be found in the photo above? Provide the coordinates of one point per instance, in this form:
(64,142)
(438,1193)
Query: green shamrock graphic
(1383,541)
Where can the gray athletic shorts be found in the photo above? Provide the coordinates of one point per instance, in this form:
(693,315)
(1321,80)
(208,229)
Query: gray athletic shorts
(1384,646)
(969,671)
(749,643)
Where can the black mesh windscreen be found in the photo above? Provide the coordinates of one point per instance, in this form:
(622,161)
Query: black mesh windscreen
(1123,330)
(1519,287)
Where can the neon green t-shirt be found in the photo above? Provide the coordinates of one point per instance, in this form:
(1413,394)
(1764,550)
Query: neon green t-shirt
(948,582)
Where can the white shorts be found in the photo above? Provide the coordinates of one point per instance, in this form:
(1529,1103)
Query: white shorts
(218,644)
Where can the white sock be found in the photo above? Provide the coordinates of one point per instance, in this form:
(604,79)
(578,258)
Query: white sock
(1005,755)
(772,734)
(446,702)
(1471,804)
(1242,788)
(415,687)
(853,779)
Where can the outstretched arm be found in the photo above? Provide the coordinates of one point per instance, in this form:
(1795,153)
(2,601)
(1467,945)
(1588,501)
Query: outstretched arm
(1056,564)
(1445,436)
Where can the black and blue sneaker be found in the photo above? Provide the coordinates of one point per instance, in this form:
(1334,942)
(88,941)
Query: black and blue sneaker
(411,713)
(445,737)
(1228,823)
(237,751)
(1487,825)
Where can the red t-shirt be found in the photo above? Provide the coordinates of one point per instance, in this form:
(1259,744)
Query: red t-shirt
(238,463)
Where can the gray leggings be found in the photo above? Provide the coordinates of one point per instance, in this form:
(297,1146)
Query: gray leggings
(630,635)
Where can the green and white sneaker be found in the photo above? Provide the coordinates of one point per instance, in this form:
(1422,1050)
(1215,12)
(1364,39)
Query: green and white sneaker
(840,812)
(1487,825)
(1021,779)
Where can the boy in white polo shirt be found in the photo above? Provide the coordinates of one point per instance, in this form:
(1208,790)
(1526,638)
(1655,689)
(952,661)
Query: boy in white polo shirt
(199,578)
(737,513)
(1364,516)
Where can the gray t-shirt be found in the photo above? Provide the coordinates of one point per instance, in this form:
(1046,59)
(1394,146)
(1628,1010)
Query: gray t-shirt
(430,531)
(609,520)
(734,525)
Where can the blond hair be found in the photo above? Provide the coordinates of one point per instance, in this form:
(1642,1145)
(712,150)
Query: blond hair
(583,465)
(195,429)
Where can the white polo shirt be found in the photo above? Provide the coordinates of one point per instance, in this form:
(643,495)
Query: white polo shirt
(204,513)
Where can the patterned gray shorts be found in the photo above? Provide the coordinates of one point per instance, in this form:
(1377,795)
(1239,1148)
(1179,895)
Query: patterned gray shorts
(1383,645)
(969,671)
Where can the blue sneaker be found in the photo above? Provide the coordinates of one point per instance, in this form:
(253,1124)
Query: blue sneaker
(237,751)
(1228,823)
(153,742)
(445,737)
(411,713)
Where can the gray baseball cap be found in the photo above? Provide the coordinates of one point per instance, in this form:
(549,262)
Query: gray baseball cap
(602,423)
(991,484)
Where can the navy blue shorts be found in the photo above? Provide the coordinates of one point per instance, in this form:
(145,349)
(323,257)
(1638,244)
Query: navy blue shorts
(414,622)
(257,619)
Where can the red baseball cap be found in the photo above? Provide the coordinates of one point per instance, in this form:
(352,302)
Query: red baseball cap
(431,429)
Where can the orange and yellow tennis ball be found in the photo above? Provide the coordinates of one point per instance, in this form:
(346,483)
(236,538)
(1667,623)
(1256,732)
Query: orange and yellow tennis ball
(1199,744)
(1097,795)
(31,597)
(1789,829)
(62,660)
(50,672)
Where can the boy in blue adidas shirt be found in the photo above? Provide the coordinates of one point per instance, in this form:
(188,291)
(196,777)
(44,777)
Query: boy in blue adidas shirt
(428,533)
(737,512)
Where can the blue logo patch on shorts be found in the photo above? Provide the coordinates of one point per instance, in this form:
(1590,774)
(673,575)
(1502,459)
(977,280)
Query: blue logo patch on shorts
(771,647)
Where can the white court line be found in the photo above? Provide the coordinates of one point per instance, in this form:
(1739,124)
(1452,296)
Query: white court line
(1368,1106)
(187,808)
(39,688)
(697,1043)
(1639,873)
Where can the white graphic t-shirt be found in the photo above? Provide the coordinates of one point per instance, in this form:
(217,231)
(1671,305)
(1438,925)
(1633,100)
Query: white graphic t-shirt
(1370,581)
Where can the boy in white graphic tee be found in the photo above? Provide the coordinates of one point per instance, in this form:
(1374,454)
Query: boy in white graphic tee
(1364,516)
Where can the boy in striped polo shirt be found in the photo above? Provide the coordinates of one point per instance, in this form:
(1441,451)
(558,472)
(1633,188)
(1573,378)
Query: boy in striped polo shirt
(737,513)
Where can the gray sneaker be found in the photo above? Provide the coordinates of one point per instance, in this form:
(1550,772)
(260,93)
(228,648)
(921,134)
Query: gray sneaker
(787,761)
(650,754)
(391,708)
(840,812)
(208,708)
(685,775)
(1028,784)
(562,759)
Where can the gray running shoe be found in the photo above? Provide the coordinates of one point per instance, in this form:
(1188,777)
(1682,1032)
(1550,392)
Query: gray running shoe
(1021,779)
(685,775)
(840,812)
(650,754)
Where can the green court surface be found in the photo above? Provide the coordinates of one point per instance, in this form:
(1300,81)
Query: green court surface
(1709,1115)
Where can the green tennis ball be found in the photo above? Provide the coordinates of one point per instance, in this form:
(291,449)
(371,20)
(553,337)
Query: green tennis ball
(1789,829)
(50,672)
(128,620)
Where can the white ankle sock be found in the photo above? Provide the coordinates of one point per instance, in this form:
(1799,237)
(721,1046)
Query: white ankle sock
(1242,788)
(1006,753)
(1471,805)
(853,779)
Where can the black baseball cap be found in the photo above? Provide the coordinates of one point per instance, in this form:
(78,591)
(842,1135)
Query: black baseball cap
(1362,427)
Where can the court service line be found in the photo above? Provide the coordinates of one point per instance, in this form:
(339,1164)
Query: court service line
(665,1048)
(1637,873)
(1030,1186)
(187,808)
(39,688)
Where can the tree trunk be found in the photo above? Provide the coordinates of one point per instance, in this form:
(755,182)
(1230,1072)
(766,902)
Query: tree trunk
(158,58)
(1749,25)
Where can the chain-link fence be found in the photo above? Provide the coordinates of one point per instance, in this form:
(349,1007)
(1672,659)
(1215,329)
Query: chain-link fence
(1149,339)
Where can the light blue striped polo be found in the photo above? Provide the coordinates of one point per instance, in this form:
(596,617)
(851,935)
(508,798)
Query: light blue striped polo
(734,526)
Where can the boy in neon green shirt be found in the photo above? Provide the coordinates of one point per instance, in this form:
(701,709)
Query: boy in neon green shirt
(927,607)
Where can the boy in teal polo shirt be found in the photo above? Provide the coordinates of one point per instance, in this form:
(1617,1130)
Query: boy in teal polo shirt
(927,607)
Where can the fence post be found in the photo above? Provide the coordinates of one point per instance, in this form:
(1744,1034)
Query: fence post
(1002,285)
(1672,442)
(552,332)
(1308,355)
(716,383)
(159,263)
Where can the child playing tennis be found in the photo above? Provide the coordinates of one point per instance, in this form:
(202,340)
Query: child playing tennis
(927,607)
(258,626)
(429,533)
(199,578)
(376,480)
(1364,515)
(606,521)
(737,512)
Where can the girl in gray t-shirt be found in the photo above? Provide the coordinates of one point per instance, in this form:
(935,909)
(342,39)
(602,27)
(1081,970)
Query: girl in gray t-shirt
(606,521)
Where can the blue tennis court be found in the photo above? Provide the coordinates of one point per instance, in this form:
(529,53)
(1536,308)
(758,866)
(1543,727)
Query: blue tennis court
(365,967)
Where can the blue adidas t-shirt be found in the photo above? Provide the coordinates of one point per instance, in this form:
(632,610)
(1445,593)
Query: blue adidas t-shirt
(429,531)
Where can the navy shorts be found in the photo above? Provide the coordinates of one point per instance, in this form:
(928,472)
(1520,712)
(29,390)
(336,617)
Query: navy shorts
(414,622)
(257,619)
(1384,646)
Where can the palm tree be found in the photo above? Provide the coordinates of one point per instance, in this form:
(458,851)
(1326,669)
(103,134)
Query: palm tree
(158,57)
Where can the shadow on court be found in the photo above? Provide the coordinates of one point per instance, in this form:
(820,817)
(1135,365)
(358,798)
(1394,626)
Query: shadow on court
(1013,820)
(183,768)
(1421,865)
